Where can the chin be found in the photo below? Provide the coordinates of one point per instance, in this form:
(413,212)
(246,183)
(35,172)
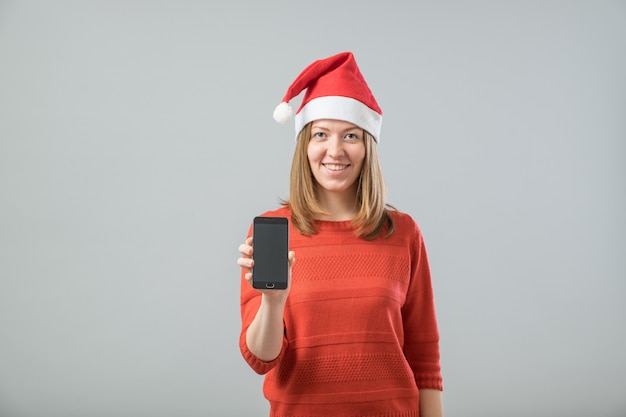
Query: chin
(334,188)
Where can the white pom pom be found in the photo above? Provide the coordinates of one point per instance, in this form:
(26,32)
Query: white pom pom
(282,113)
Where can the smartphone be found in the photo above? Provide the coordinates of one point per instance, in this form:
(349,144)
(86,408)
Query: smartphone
(270,241)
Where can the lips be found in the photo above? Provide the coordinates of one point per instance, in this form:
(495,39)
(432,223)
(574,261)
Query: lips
(335,167)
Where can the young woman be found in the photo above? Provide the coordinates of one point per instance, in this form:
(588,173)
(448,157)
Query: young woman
(355,333)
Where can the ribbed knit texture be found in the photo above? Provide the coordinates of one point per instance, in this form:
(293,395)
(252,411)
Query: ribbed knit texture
(361,332)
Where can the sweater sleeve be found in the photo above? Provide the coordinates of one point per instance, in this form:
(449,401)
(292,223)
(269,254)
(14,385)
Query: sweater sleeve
(421,333)
(250,301)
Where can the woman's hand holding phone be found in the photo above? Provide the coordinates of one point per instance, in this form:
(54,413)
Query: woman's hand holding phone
(246,262)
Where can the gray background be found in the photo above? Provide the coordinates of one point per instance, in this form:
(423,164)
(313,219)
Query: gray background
(136,145)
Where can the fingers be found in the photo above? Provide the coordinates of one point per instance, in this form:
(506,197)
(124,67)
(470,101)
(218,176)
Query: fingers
(292,259)
(246,263)
(246,249)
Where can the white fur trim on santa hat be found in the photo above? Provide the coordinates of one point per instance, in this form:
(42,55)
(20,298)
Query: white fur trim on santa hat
(340,108)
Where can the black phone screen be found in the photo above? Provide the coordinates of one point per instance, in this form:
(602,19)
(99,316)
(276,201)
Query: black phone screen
(271,248)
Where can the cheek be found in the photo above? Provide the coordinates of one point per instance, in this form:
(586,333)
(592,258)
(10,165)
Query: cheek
(310,160)
(359,157)
(313,154)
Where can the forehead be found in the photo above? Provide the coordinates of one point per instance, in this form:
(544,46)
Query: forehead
(331,124)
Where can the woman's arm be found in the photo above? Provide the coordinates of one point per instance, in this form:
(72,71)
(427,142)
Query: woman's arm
(431,403)
(264,336)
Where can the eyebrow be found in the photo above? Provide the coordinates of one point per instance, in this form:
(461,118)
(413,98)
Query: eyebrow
(348,130)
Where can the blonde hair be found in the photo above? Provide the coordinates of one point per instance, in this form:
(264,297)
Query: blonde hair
(373,216)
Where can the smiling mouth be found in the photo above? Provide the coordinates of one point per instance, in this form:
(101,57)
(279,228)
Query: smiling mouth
(335,167)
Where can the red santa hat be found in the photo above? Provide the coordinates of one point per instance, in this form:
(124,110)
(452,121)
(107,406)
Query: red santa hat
(335,89)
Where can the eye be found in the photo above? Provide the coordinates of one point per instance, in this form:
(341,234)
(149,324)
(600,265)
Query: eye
(352,137)
(318,135)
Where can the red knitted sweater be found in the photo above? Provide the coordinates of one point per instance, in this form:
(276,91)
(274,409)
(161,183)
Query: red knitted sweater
(361,333)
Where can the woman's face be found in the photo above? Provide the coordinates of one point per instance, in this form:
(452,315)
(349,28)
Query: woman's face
(336,153)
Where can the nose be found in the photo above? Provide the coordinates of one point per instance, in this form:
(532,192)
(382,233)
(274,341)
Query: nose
(335,146)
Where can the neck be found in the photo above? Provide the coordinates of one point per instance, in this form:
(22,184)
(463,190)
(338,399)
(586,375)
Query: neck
(338,206)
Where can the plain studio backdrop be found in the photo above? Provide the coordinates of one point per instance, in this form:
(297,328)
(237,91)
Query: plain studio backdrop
(137,143)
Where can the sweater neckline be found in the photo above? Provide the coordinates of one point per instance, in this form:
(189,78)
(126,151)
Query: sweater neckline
(327,225)
(335,225)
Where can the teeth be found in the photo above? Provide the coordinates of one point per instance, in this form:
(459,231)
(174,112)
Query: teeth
(335,167)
